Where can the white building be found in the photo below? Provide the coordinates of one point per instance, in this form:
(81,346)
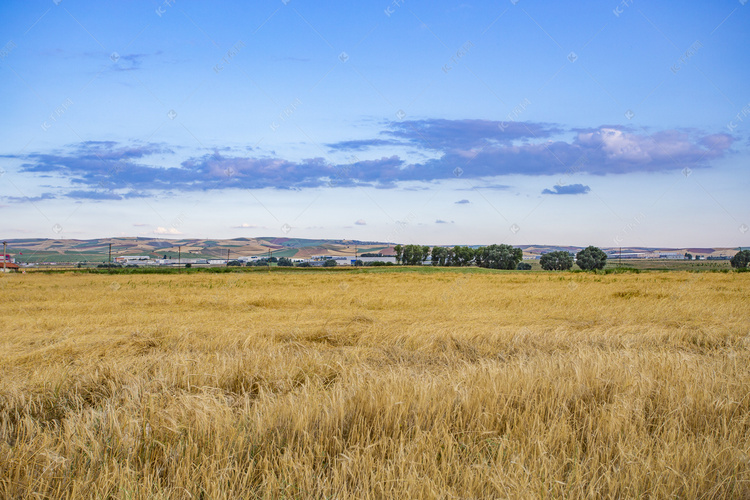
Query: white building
(672,255)
(128,259)
(627,255)
(250,258)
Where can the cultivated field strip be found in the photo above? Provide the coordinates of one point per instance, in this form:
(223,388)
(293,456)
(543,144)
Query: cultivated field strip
(375,385)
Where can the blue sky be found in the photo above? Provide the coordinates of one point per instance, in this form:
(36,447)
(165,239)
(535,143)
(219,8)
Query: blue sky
(441,122)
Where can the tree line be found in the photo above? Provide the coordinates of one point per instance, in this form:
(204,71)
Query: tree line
(492,257)
(497,257)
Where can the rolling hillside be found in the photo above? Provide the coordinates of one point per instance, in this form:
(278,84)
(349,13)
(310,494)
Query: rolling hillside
(96,250)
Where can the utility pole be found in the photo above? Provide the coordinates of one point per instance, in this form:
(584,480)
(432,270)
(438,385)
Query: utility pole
(5,253)
(179,259)
(227,256)
(620,264)
(109,259)
(356,255)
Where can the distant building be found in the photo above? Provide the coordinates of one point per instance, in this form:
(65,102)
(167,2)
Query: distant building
(340,259)
(672,255)
(127,259)
(627,255)
(250,258)
(8,266)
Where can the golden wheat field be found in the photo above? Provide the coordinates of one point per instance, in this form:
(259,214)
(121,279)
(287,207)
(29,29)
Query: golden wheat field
(375,385)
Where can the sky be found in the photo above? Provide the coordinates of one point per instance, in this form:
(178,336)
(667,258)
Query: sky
(608,123)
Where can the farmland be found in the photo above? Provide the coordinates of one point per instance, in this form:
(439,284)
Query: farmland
(355,384)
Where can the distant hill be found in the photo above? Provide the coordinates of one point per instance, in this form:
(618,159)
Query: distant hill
(97,250)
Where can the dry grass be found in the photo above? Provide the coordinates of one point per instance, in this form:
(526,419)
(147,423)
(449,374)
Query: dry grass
(375,385)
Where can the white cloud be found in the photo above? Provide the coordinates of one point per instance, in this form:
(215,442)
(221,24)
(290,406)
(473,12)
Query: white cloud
(164,230)
(361,222)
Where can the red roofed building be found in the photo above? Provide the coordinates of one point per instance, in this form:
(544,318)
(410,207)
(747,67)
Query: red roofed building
(10,263)
(8,266)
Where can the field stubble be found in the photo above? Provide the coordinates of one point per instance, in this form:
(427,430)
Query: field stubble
(375,385)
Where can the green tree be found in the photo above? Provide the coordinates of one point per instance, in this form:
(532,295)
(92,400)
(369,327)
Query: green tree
(591,258)
(330,263)
(688,256)
(450,257)
(741,259)
(523,266)
(406,254)
(462,256)
(439,256)
(499,256)
(411,255)
(398,249)
(425,253)
(556,261)
(285,262)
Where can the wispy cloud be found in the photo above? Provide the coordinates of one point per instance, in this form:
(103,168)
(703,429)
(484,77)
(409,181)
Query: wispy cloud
(496,187)
(166,230)
(463,135)
(362,145)
(463,202)
(102,195)
(568,189)
(124,62)
(29,199)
